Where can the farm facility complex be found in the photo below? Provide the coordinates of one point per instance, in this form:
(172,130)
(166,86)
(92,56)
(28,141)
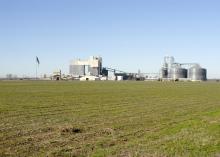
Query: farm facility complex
(176,71)
(92,69)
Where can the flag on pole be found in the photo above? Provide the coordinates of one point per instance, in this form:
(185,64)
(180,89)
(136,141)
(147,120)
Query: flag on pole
(37,60)
(37,65)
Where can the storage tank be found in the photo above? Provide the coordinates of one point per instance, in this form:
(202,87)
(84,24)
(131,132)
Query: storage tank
(177,72)
(196,73)
(163,73)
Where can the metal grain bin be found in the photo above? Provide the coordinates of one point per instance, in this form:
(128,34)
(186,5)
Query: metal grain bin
(163,73)
(176,72)
(197,73)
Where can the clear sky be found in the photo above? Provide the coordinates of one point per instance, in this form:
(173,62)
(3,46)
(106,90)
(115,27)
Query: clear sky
(128,34)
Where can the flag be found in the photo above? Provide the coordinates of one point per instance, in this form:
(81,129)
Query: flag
(37,60)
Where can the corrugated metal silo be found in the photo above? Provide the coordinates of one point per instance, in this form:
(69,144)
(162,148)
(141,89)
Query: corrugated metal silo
(197,73)
(177,72)
(164,73)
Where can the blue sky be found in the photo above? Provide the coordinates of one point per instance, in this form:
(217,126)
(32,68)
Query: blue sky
(128,34)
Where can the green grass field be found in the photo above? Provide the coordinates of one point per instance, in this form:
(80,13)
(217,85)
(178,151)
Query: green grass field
(109,119)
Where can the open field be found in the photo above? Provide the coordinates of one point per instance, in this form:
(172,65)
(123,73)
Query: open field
(109,119)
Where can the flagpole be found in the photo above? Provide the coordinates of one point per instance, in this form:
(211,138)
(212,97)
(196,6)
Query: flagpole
(37,65)
(36,69)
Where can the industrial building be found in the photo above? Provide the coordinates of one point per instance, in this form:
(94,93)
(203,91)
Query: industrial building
(57,75)
(91,67)
(181,71)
